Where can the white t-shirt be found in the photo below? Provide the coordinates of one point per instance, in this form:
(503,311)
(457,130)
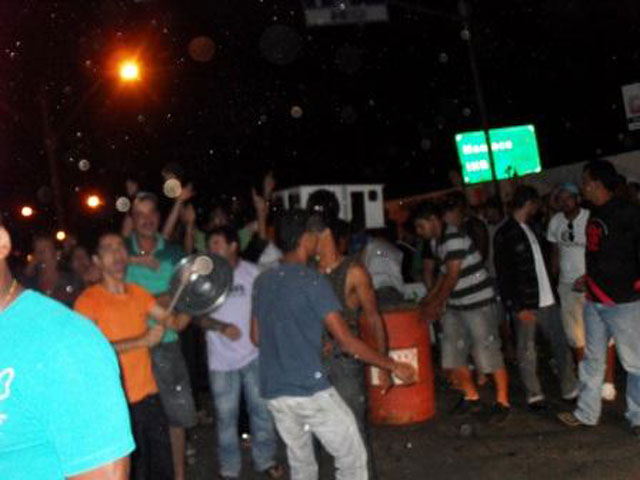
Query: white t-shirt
(383,261)
(224,354)
(544,285)
(571,252)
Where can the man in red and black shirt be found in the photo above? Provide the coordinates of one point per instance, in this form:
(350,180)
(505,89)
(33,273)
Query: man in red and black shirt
(613,296)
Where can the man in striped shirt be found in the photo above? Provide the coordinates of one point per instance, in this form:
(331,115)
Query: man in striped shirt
(465,296)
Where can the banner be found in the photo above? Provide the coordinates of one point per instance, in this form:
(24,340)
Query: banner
(320,13)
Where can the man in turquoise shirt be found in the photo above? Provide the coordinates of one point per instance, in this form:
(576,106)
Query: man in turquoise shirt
(151,267)
(63,413)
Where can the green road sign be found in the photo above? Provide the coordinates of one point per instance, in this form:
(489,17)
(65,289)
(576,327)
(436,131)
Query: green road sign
(515,152)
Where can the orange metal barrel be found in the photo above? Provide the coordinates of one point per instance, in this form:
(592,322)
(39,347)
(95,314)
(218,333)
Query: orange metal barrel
(408,340)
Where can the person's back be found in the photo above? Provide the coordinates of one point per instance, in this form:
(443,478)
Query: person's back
(383,261)
(290,302)
(62,411)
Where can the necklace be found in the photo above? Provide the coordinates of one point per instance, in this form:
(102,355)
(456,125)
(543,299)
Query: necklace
(8,295)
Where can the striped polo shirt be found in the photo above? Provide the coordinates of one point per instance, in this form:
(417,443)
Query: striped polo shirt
(475,287)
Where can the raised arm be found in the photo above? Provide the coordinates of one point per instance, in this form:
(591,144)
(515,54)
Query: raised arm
(174,215)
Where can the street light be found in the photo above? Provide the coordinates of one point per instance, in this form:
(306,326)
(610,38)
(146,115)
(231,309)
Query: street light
(26,211)
(93,201)
(61,235)
(129,71)
(122,65)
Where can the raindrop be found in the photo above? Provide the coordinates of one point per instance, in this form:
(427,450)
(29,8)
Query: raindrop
(349,59)
(466,111)
(425,144)
(44,194)
(263,118)
(172,188)
(202,49)
(79,134)
(443,58)
(348,114)
(280,44)
(123,204)
(141,118)
(84,165)
(296,112)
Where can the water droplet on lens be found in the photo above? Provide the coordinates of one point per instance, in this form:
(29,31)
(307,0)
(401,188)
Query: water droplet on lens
(123,204)
(84,165)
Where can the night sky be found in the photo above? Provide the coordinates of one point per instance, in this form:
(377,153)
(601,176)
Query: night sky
(372,103)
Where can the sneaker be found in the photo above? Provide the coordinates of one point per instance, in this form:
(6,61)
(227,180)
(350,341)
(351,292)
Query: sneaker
(499,413)
(570,420)
(538,406)
(570,397)
(608,392)
(465,406)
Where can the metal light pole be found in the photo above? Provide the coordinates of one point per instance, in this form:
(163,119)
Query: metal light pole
(466,34)
(128,72)
(464,18)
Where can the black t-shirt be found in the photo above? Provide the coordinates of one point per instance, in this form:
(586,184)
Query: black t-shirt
(612,255)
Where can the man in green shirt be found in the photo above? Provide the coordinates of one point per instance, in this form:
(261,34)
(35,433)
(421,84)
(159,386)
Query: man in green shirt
(151,266)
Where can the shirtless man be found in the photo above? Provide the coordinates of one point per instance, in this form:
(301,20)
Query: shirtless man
(353,288)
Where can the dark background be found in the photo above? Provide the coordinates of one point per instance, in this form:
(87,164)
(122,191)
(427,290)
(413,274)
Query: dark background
(380,103)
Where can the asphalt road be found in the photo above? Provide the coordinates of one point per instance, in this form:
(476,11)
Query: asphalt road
(527,446)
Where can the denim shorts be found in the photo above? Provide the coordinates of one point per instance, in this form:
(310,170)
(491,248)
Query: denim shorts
(474,332)
(172,377)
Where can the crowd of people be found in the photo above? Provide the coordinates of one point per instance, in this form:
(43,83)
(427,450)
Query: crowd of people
(284,349)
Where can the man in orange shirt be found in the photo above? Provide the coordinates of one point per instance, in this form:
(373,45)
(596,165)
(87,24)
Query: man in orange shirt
(120,310)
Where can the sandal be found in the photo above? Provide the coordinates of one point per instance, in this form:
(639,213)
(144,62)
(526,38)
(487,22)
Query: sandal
(569,419)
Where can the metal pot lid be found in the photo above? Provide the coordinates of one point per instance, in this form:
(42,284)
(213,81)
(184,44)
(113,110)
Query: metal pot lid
(208,278)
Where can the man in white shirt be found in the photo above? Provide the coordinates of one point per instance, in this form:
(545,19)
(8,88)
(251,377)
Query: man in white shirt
(233,366)
(567,234)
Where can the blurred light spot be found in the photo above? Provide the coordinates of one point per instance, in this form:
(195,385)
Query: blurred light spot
(84,165)
(123,204)
(26,211)
(172,188)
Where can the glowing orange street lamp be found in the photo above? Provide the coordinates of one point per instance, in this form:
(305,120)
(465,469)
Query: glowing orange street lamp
(26,211)
(129,71)
(93,201)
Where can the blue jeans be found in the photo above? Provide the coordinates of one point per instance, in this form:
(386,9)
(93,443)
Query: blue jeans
(226,388)
(622,322)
